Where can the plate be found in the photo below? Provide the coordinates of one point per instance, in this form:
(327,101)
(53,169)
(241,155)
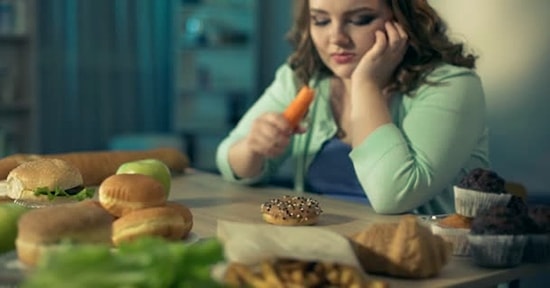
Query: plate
(42,204)
(192,237)
(429,219)
(12,271)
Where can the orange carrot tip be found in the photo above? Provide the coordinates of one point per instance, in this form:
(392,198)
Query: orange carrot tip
(297,109)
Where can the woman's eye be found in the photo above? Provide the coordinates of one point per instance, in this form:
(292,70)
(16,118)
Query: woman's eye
(362,20)
(317,21)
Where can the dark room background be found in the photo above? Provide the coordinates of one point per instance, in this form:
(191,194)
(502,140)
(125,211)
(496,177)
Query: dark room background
(144,72)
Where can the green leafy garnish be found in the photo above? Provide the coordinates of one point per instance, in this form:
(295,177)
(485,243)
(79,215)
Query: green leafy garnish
(146,262)
(85,193)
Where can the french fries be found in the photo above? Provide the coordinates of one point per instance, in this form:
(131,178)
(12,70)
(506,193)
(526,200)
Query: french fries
(289,273)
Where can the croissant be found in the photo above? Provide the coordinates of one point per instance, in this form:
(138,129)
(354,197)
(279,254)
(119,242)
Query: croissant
(404,249)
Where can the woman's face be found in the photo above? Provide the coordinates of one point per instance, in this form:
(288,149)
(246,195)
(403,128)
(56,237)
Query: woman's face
(343,30)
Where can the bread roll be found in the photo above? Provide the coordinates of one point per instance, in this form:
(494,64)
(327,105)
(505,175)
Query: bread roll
(186,214)
(5,199)
(9,163)
(166,222)
(123,193)
(40,230)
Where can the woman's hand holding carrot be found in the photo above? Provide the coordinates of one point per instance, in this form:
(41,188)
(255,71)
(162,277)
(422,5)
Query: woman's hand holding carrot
(269,135)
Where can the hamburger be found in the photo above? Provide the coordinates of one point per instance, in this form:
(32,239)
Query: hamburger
(46,181)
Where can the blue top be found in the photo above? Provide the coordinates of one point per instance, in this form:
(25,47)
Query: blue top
(331,173)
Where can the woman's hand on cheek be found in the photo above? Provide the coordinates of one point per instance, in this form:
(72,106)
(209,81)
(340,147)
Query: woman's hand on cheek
(269,135)
(378,64)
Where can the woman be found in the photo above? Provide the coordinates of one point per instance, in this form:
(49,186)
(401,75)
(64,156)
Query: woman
(398,116)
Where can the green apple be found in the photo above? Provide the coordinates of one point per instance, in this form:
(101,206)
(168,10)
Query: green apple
(9,215)
(151,167)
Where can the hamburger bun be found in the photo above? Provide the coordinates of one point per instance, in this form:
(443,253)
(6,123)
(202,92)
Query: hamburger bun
(166,222)
(121,194)
(26,180)
(291,211)
(40,230)
(186,214)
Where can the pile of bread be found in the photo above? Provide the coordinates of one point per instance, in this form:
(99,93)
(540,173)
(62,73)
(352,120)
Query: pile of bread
(129,206)
(96,166)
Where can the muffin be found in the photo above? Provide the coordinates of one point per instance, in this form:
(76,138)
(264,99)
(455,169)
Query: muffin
(455,229)
(537,249)
(541,215)
(517,205)
(517,189)
(481,189)
(498,236)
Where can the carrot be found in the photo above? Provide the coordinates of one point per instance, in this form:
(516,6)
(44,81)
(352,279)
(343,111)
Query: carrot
(297,109)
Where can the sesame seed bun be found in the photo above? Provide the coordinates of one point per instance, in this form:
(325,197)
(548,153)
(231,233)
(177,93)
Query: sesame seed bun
(291,211)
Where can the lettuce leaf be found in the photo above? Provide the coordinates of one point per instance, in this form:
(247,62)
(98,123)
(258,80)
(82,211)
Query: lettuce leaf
(147,262)
(85,193)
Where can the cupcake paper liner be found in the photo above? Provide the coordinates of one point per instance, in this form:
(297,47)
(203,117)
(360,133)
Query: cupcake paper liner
(470,202)
(458,237)
(497,251)
(537,248)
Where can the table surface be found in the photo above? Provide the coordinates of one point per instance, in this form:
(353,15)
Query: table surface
(210,199)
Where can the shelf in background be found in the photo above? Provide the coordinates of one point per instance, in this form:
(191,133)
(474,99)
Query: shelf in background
(218,58)
(203,128)
(240,48)
(13,38)
(241,7)
(14,108)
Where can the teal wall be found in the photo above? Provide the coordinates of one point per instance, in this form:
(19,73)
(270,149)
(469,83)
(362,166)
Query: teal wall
(513,45)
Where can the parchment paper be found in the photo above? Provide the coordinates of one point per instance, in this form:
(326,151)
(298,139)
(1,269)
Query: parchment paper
(251,243)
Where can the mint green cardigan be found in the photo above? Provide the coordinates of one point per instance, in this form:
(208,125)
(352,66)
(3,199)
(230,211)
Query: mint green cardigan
(409,165)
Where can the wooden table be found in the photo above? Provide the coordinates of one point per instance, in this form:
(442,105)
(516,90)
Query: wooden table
(211,199)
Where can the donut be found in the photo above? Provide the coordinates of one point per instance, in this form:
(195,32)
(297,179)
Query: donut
(166,222)
(291,211)
(123,193)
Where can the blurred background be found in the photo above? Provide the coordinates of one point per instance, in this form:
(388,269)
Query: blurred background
(131,74)
(135,74)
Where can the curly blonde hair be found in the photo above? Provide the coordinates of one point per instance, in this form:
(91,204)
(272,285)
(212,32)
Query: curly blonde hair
(429,45)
